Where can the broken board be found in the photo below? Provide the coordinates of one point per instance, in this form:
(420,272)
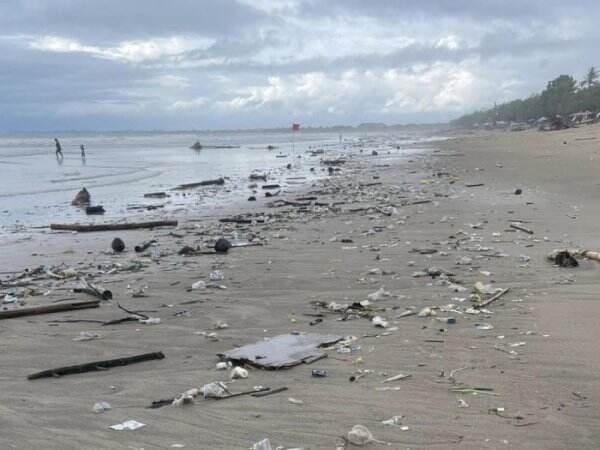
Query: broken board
(283,351)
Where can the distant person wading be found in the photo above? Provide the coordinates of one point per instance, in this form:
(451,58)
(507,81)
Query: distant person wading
(59,153)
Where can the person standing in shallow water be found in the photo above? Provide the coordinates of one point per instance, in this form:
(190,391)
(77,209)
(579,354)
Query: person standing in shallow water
(82,151)
(59,153)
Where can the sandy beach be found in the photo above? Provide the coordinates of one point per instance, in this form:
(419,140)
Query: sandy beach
(519,373)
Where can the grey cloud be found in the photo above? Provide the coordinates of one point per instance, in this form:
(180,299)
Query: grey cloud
(113,20)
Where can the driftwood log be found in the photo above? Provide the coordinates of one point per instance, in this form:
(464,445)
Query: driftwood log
(48,309)
(112,226)
(96,365)
(217,182)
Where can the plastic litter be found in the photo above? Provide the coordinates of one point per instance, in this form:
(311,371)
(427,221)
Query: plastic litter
(128,425)
(238,373)
(380,322)
(86,336)
(216,275)
(100,407)
(150,321)
(216,389)
(378,295)
(395,420)
(223,365)
(9,299)
(265,444)
(360,435)
(199,285)
(426,312)
(283,351)
(485,289)
(186,398)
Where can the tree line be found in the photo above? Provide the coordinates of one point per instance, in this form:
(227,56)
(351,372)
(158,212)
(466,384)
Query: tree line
(563,96)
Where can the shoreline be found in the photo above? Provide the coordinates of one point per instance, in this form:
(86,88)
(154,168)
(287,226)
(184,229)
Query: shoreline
(396,219)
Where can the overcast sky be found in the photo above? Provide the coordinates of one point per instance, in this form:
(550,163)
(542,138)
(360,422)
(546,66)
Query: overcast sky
(205,64)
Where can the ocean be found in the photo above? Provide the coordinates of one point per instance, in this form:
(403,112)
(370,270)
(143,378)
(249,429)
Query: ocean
(119,168)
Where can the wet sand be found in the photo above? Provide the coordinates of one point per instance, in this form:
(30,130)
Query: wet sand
(543,372)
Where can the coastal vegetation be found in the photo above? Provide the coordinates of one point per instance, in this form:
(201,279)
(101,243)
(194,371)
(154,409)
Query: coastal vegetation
(563,96)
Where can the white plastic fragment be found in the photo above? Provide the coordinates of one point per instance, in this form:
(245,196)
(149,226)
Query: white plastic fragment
(238,373)
(216,275)
(379,294)
(128,425)
(8,298)
(395,420)
(462,403)
(360,435)
(223,365)
(216,389)
(379,322)
(86,336)
(426,312)
(100,407)
(150,321)
(295,401)
(398,377)
(186,398)
(220,325)
(265,444)
(199,285)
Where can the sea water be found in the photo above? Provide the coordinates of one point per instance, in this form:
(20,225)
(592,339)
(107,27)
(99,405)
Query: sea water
(36,187)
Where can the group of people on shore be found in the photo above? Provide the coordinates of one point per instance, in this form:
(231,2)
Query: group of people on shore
(59,153)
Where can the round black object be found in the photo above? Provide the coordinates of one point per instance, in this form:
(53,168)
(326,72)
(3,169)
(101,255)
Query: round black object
(252,198)
(222,245)
(518,192)
(118,245)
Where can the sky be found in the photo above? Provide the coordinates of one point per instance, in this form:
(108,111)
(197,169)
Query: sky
(230,64)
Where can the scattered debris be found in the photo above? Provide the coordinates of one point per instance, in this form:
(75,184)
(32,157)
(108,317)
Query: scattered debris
(48,309)
(100,407)
(520,227)
(117,245)
(360,435)
(217,182)
(128,425)
(92,210)
(144,246)
(283,351)
(265,444)
(563,258)
(113,227)
(398,377)
(222,245)
(83,198)
(96,365)
(238,373)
